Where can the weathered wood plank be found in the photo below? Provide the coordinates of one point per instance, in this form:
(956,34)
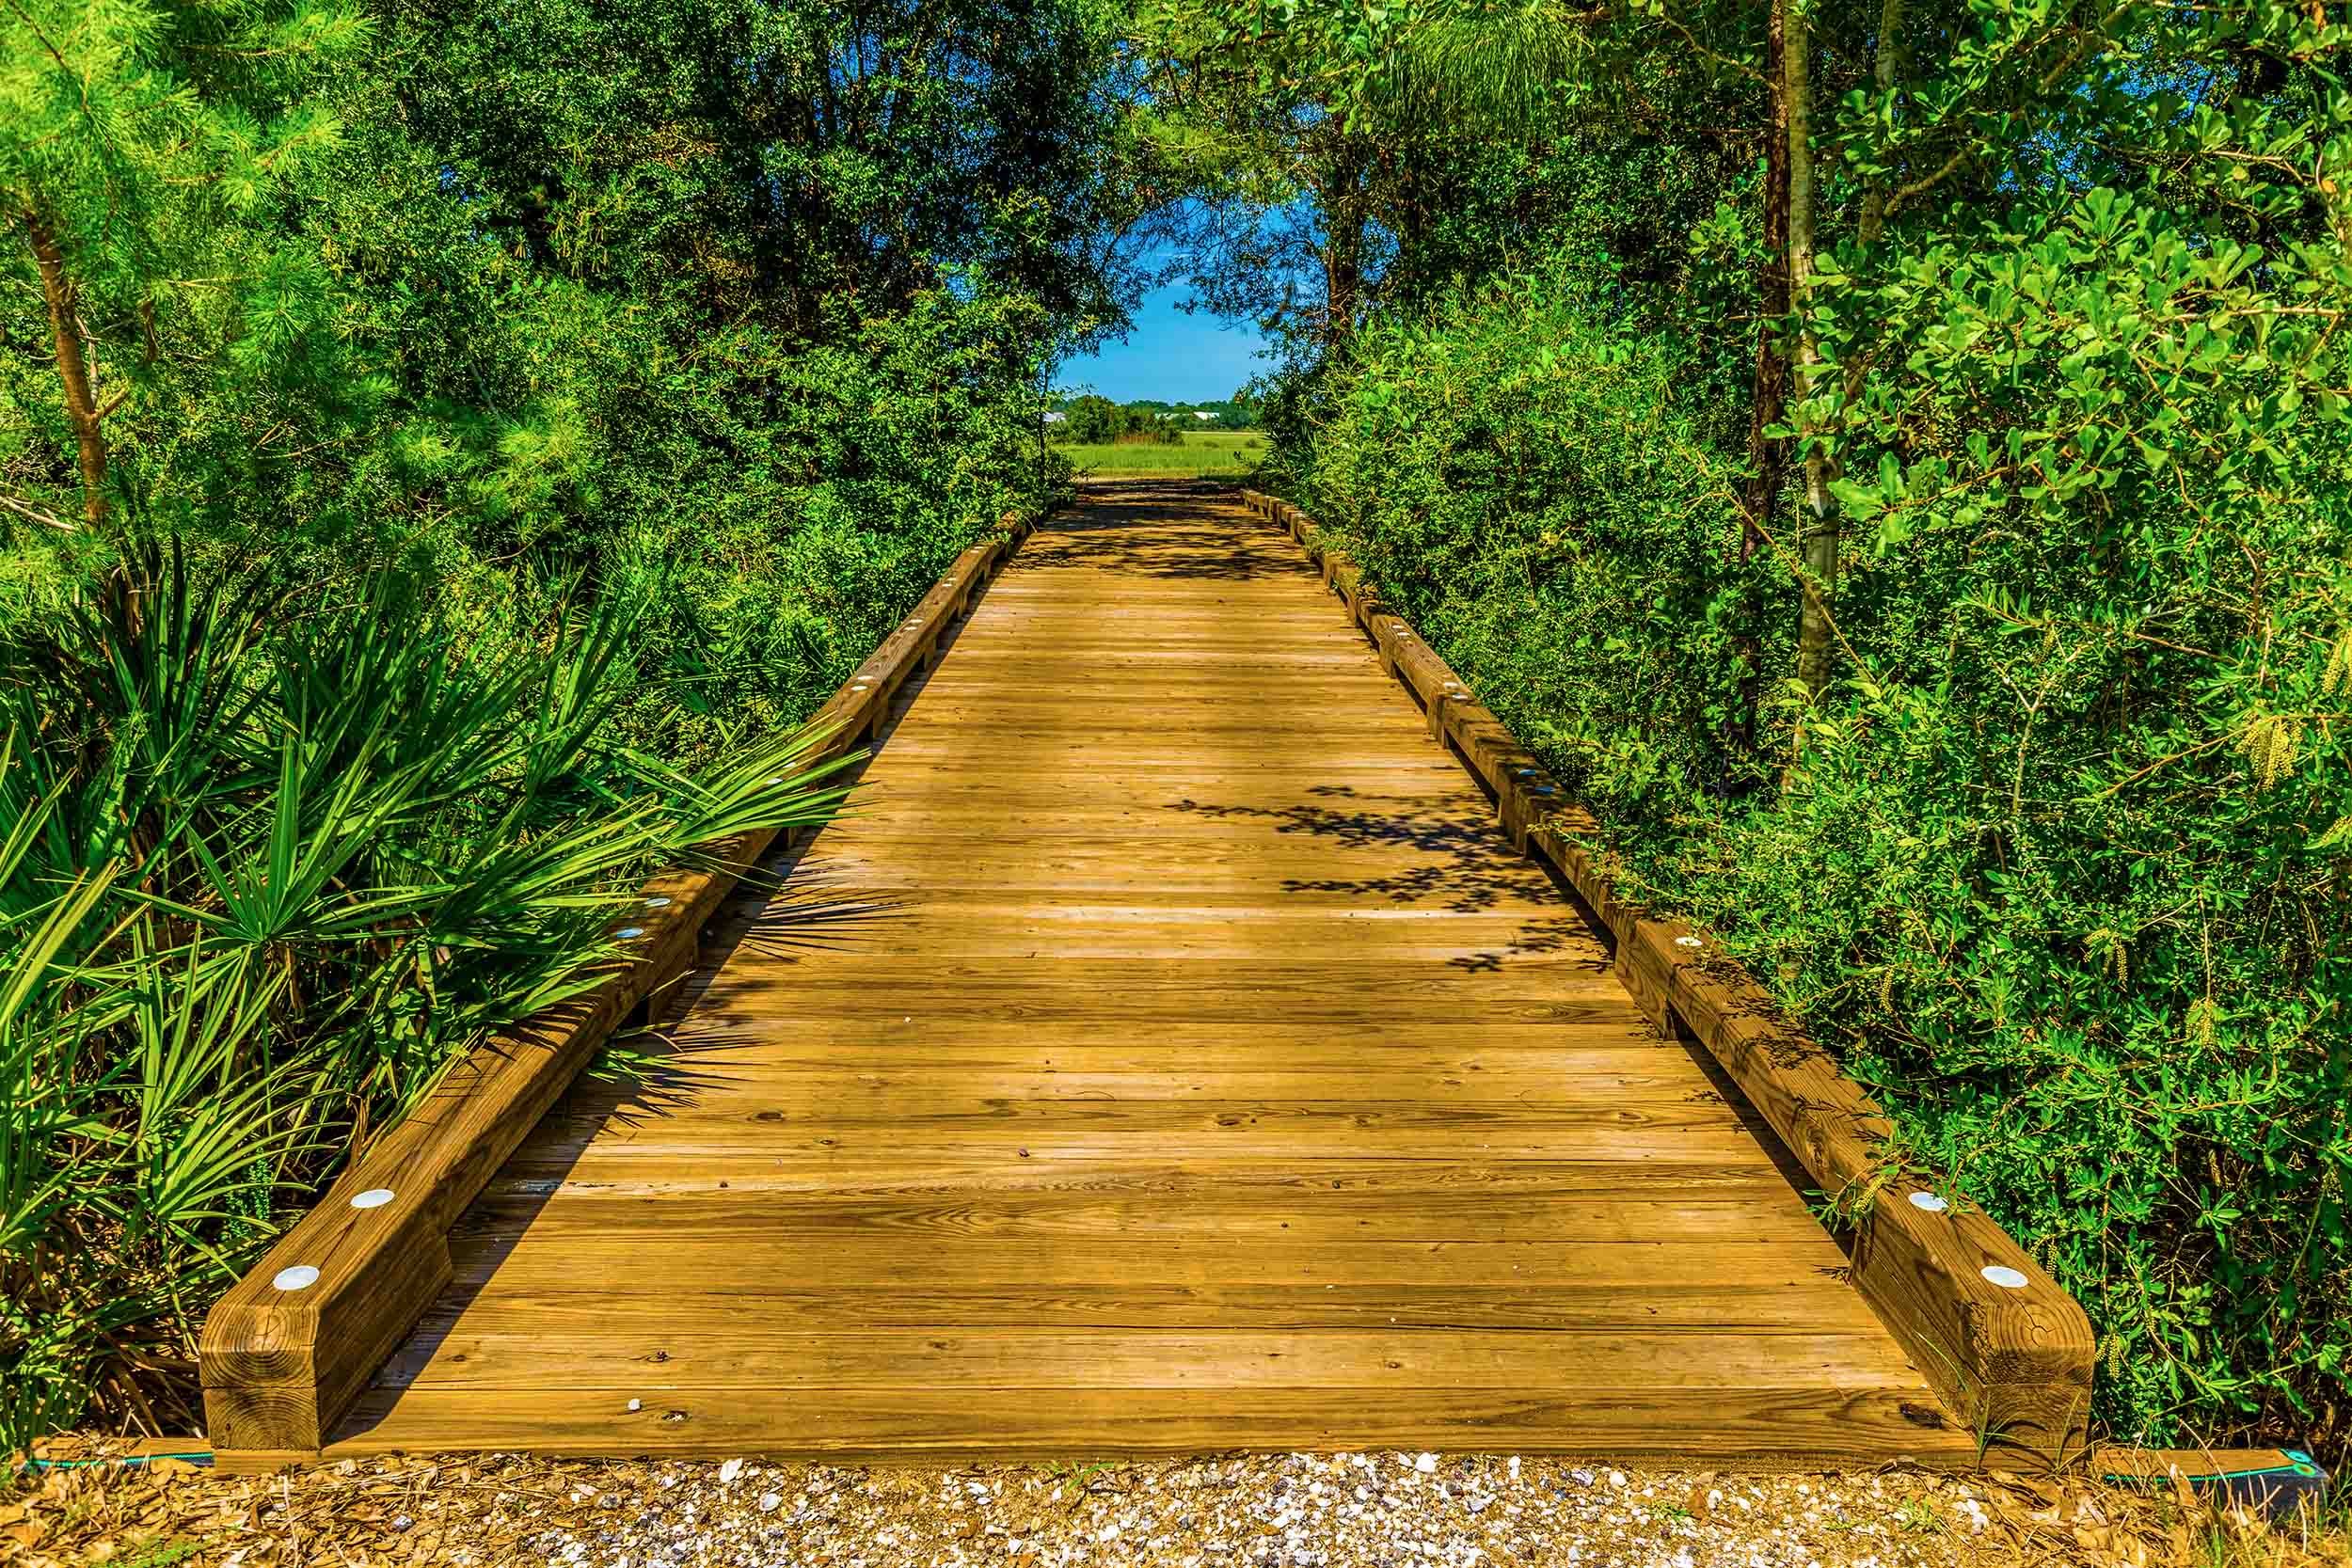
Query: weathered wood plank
(746,1264)
(1738,1212)
(639,1360)
(1813,1302)
(1722,1426)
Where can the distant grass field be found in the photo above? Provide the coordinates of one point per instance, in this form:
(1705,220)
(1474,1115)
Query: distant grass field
(1204,452)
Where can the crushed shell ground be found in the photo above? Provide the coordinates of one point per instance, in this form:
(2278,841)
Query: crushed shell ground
(1288,1511)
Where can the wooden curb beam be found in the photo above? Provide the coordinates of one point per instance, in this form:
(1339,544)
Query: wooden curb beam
(2008,1351)
(285,1352)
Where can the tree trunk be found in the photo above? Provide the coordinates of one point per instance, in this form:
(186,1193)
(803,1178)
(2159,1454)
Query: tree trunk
(1343,251)
(1768,457)
(1820,552)
(1768,400)
(81,402)
(1410,188)
(1886,69)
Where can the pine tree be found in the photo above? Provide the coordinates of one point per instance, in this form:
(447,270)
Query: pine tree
(145,146)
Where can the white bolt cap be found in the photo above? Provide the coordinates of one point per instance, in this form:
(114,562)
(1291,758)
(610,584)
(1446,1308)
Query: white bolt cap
(300,1277)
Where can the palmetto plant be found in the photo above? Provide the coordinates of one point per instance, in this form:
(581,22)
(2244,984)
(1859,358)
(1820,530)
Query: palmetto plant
(262,874)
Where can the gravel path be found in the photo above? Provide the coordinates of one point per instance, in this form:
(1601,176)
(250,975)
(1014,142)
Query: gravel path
(1290,1510)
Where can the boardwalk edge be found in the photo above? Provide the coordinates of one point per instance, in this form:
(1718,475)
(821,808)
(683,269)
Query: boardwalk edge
(285,1352)
(2008,1351)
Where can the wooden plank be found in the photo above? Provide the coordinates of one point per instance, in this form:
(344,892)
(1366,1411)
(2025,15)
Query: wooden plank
(1207,940)
(1149,983)
(636,1361)
(2002,1342)
(1150,1189)
(752,1262)
(860,1090)
(1735,1212)
(1712,1426)
(2279,1483)
(602,1146)
(885,1041)
(2153,1464)
(1816,1303)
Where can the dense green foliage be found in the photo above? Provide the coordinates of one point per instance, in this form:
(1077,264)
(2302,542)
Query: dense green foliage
(2056,874)
(1530,487)
(1096,418)
(267,869)
(1238,412)
(711,318)
(553,401)
(2046,424)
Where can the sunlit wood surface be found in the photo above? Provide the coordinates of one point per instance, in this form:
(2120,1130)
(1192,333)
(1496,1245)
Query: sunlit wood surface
(1167,1054)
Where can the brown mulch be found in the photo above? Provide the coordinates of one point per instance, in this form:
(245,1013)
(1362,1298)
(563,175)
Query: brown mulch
(1271,1510)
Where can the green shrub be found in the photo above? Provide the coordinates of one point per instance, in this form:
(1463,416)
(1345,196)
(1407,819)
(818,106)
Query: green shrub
(1531,488)
(264,872)
(2060,866)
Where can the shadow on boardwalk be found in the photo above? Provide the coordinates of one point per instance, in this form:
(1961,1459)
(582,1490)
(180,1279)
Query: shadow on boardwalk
(1104,534)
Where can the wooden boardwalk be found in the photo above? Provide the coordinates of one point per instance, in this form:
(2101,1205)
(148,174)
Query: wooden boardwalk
(1167,1054)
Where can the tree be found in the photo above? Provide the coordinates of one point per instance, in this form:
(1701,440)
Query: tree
(148,140)
(1873,122)
(1094,420)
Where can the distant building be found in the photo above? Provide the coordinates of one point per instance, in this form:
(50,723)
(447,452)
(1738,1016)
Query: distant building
(1055,416)
(1202,414)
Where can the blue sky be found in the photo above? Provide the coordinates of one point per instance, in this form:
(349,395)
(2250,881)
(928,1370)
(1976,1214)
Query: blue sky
(1169,355)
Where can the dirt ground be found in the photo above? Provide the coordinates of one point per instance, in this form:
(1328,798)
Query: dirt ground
(1278,1511)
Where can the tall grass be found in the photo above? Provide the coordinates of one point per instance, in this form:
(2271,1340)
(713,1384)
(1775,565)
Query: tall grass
(264,871)
(1221,453)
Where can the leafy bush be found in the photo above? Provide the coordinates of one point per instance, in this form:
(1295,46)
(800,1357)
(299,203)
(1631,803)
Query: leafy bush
(2060,868)
(1528,485)
(264,873)
(1093,418)
(1095,421)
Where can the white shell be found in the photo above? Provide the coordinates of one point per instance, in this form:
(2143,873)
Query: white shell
(2004,1276)
(1689,941)
(658,901)
(375,1197)
(300,1277)
(1928,1201)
